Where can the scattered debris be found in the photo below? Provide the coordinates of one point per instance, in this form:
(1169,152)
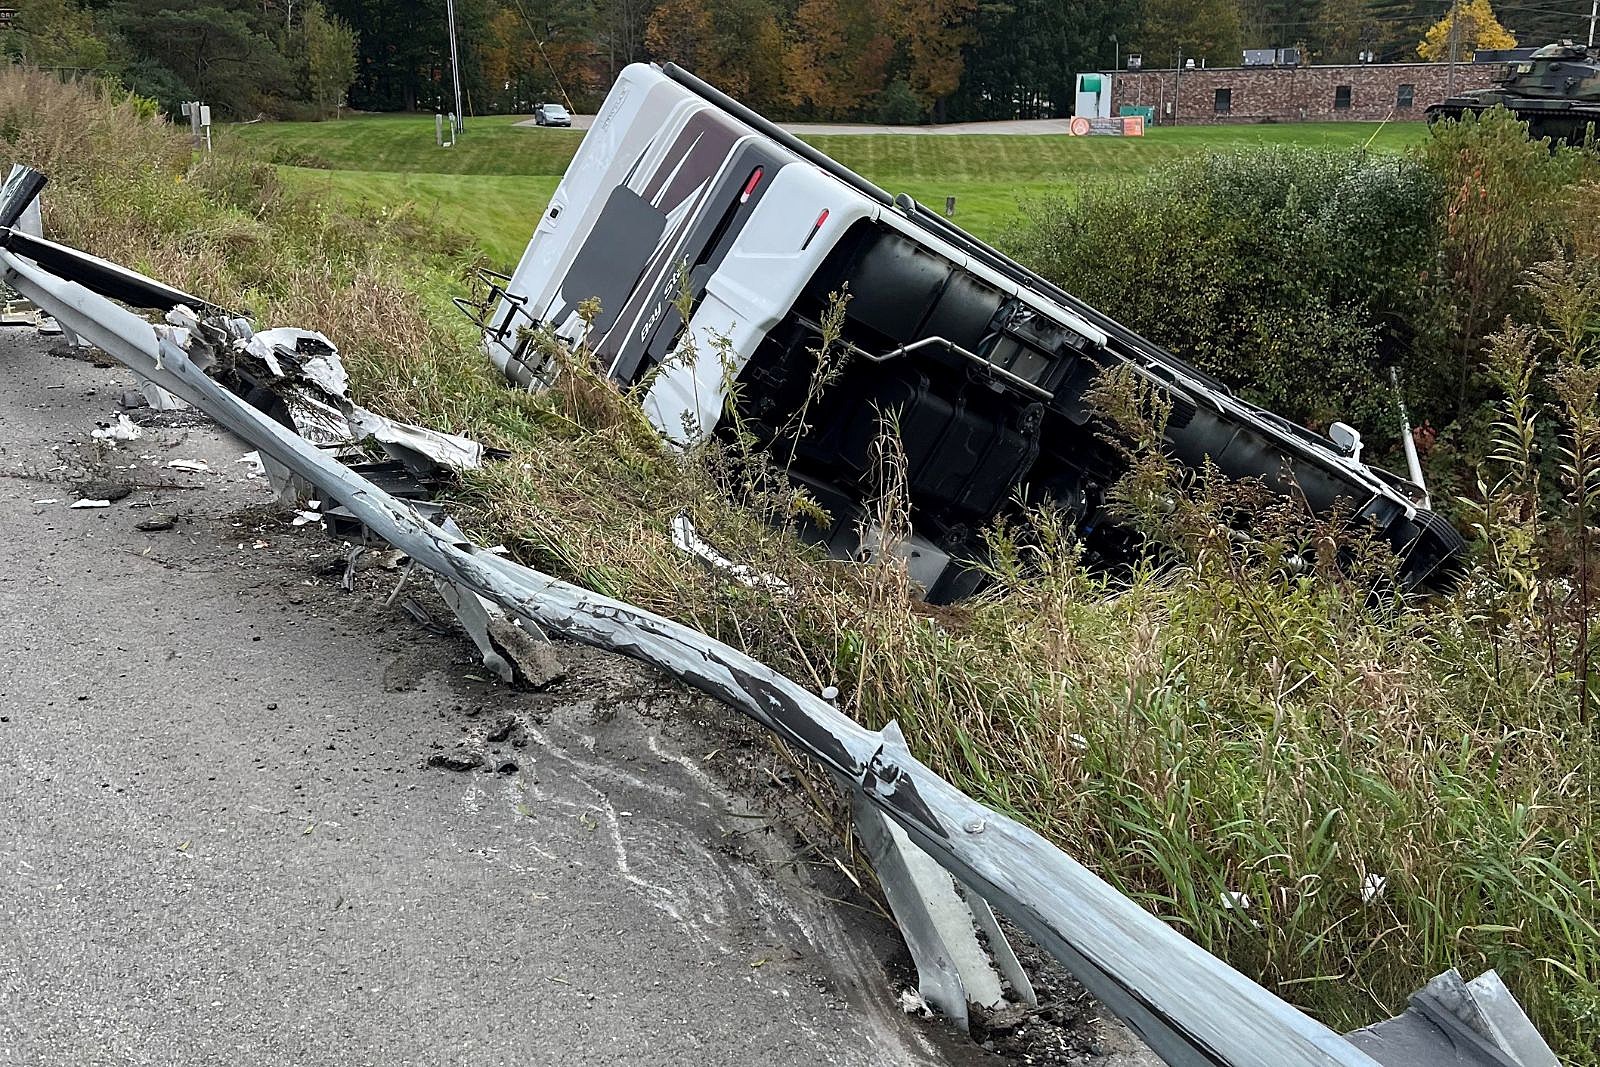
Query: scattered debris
(123,429)
(420,614)
(1372,887)
(517,655)
(86,503)
(107,489)
(303,370)
(348,582)
(198,466)
(687,540)
(389,559)
(913,1004)
(257,468)
(160,522)
(459,758)
(47,500)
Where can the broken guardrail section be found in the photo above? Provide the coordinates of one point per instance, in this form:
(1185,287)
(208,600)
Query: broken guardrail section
(944,858)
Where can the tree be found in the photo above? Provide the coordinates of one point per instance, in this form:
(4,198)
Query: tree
(1194,29)
(1398,24)
(622,27)
(56,33)
(736,45)
(222,54)
(677,30)
(930,35)
(747,51)
(330,57)
(1468,26)
(1342,30)
(561,46)
(839,56)
(1024,56)
(403,56)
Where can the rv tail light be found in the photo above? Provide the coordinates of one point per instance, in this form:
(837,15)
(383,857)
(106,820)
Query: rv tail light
(750,186)
(815,226)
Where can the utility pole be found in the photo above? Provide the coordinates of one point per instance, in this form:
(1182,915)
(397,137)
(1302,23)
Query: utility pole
(1594,11)
(1177,84)
(455,64)
(1116,47)
(1455,46)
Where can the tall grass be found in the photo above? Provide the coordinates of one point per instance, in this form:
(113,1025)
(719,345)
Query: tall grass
(1342,793)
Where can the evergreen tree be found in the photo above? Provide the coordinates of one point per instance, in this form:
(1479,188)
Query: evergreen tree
(222,55)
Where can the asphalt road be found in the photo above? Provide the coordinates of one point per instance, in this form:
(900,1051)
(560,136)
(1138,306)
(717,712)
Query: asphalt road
(1006,128)
(221,841)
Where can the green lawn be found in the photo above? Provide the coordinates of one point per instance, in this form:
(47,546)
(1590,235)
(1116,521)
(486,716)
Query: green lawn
(496,181)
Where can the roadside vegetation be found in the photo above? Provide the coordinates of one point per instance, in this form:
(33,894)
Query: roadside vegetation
(1388,267)
(1341,790)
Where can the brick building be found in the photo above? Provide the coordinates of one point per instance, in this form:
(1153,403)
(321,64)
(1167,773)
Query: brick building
(1366,91)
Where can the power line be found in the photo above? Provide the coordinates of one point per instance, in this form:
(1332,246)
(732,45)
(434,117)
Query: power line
(534,33)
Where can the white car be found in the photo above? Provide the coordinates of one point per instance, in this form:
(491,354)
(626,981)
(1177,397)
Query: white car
(551,115)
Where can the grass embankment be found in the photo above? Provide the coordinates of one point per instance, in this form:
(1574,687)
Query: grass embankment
(1397,791)
(498,178)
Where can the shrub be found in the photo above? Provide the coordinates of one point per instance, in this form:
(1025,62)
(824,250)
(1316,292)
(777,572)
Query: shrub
(1294,274)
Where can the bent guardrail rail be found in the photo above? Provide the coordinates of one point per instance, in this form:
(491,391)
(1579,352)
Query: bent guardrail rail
(1188,1005)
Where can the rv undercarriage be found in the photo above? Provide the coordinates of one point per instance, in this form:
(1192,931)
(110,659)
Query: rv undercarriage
(967,378)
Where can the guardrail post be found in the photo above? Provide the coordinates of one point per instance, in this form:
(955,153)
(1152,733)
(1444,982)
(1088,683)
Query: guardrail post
(939,923)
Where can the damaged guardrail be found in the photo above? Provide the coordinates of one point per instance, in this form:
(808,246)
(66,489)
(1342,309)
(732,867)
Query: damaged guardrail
(1189,1006)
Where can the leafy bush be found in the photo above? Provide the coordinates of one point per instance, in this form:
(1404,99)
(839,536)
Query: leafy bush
(1295,274)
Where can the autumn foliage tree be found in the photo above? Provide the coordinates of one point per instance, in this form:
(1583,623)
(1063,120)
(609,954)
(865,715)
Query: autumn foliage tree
(838,55)
(1468,26)
(930,38)
(734,44)
(844,53)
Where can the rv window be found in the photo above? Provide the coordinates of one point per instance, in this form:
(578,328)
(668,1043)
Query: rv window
(609,263)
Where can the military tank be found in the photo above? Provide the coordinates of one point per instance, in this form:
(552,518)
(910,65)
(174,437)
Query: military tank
(1556,91)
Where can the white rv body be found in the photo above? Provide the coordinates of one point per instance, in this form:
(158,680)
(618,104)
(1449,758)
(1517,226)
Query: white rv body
(638,137)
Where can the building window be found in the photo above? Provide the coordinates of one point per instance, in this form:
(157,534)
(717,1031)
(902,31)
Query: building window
(1224,102)
(1405,96)
(1341,98)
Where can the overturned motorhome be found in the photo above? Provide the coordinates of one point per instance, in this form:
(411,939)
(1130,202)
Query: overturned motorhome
(679,193)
